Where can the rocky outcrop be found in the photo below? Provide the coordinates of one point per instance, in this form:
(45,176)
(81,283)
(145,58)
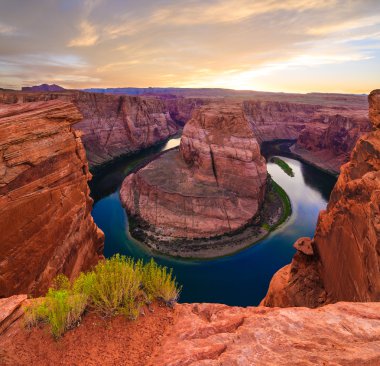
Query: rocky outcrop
(45,209)
(214,184)
(325,135)
(345,262)
(10,310)
(111,125)
(214,334)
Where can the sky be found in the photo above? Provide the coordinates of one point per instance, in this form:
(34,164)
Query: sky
(269,45)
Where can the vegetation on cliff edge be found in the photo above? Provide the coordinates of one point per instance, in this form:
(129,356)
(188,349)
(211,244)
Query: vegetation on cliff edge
(283,165)
(115,286)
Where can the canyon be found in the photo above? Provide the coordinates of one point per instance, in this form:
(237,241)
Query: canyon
(215,183)
(45,208)
(120,121)
(43,161)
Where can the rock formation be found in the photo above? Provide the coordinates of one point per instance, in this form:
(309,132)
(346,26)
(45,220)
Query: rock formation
(214,334)
(344,264)
(326,125)
(325,135)
(45,209)
(111,125)
(214,184)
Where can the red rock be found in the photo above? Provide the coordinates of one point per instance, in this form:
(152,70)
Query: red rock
(208,334)
(213,185)
(374,112)
(214,334)
(111,125)
(304,245)
(325,134)
(346,265)
(10,310)
(45,208)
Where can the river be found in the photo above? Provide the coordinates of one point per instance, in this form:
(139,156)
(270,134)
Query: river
(241,279)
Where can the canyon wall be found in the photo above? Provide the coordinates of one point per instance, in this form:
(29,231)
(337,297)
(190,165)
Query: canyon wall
(326,126)
(342,261)
(111,125)
(325,134)
(214,184)
(45,209)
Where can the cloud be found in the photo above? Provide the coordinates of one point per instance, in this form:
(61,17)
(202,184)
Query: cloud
(242,43)
(6,29)
(231,11)
(88,36)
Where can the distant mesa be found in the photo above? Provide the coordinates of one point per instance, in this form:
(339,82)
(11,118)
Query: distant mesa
(43,88)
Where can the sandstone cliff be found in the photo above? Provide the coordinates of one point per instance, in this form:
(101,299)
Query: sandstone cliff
(325,135)
(213,185)
(111,125)
(343,260)
(45,209)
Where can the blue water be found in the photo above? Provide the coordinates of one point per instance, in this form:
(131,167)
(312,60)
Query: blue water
(240,279)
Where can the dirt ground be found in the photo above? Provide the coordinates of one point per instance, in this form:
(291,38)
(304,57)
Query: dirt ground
(96,341)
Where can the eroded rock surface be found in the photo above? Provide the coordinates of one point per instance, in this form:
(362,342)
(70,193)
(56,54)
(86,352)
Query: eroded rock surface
(45,208)
(208,335)
(111,125)
(346,246)
(213,334)
(325,135)
(214,184)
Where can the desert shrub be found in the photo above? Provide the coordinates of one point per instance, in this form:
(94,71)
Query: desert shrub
(159,283)
(60,308)
(61,282)
(64,310)
(115,286)
(35,313)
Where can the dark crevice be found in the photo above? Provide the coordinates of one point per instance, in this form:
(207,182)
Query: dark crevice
(213,166)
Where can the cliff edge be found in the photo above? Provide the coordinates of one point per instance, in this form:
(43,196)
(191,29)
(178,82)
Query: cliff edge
(343,260)
(45,208)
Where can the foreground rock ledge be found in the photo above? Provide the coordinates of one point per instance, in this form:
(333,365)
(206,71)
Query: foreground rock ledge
(209,335)
(213,185)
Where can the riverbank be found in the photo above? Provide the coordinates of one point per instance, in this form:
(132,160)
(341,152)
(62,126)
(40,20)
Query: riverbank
(275,210)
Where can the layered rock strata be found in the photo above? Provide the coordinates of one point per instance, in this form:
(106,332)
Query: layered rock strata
(45,208)
(324,135)
(344,263)
(111,125)
(214,184)
(325,125)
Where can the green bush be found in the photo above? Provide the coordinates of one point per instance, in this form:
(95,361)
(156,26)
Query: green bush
(60,308)
(158,283)
(115,286)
